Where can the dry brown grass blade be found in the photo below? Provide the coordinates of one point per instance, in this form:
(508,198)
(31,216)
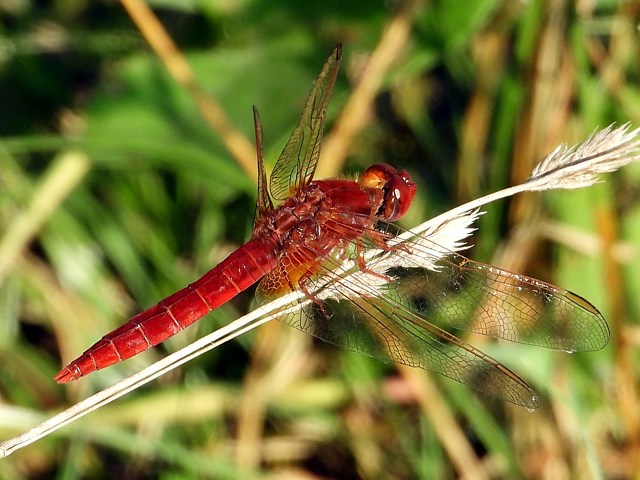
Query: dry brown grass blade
(153,31)
(454,440)
(356,112)
(627,396)
(62,177)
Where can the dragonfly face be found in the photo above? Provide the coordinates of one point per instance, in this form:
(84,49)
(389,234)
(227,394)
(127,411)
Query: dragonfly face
(397,190)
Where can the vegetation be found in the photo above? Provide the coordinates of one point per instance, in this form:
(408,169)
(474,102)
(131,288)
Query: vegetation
(127,170)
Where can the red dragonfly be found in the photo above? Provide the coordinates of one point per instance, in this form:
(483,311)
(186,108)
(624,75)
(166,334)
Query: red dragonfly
(401,300)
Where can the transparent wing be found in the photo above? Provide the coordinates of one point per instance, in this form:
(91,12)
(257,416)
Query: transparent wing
(469,296)
(409,303)
(297,162)
(377,327)
(264,201)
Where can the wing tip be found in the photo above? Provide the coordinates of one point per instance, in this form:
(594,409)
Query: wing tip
(338,51)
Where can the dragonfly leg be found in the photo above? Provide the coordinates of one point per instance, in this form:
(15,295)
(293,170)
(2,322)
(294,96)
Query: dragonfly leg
(362,264)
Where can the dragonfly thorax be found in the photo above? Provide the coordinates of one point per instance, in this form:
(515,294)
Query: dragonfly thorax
(315,212)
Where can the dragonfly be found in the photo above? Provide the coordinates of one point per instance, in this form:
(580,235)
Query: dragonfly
(365,286)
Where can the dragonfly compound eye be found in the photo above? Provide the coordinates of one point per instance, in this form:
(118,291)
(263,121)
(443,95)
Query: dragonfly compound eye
(397,187)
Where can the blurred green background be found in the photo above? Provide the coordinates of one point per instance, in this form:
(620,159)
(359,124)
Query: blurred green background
(115,192)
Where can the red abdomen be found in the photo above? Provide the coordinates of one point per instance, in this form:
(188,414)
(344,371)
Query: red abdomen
(236,273)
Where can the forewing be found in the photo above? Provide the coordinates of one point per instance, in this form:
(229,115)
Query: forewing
(455,292)
(297,162)
(409,302)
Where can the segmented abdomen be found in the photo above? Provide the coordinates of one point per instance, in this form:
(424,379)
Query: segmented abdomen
(236,273)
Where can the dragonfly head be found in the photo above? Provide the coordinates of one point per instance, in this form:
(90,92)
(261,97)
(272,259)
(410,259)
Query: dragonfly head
(397,190)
